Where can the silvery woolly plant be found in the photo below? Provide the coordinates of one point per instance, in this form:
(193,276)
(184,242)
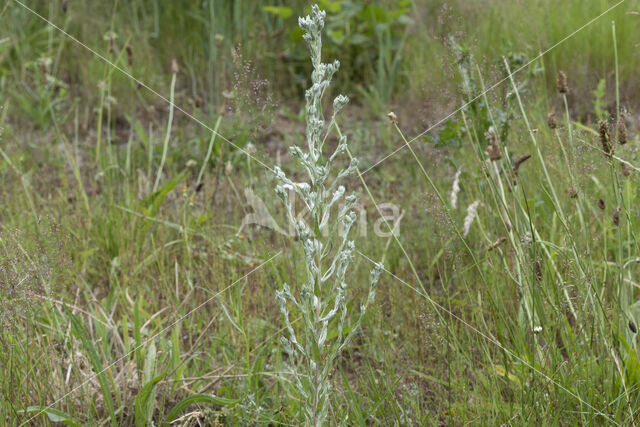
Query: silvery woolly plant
(322,297)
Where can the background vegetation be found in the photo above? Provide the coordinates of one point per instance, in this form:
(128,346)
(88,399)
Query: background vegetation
(117,220)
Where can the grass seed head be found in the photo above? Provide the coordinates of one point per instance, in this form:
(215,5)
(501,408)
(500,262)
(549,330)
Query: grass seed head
(519,161)
(472,213)
(537,268)
(392,117)
(497,243)
(605,137)
(130,55)
(621,129)
(562,85)
(632,327)
(573,192)
(493,150)
(174,66)
(455,189)
(601,204)
(552,121)
(616,216)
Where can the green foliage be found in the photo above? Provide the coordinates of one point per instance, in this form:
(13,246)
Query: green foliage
(598,95)
(54,415)
(144,403)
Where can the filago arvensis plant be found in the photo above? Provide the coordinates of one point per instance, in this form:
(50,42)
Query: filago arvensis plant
(321,299)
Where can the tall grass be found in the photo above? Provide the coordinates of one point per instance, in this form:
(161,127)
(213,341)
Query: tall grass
(517,304)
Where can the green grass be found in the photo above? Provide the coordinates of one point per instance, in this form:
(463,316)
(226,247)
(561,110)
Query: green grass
(99,263)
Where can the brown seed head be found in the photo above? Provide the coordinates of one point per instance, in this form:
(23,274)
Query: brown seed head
(626,169)
(130,55)
(537,268)
(632,327)
(561,84)
(497,243)
(605,138)
(392,116)
(493,150)
(573,192)
(552,121)
(616,216)
(174,66)
(520,160)
(621,129)
(601,204)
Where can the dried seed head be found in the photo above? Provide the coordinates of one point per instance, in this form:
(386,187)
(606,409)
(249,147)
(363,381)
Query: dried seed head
(392,116)
(632,327)
(65,5)
(130,55)
(605,138)
(601,204)
(493,150)
(573,192)
(621,129)
(562,85)
(519,161)
(626,169)
(552,121)
(537,268)
(110,37)
(497,243)
(174,66)
(616,216)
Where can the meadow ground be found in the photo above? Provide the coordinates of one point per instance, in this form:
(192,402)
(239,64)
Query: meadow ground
(142,243)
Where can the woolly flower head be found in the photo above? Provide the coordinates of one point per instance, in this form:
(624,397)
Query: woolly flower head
(472,213)
(455,189)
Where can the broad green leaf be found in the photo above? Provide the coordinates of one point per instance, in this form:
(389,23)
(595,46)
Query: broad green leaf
(152,203)
(55,416)
(80,332)
(143,408)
